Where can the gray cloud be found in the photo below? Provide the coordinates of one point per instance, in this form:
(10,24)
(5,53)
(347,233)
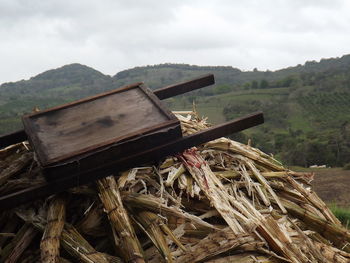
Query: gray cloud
(114,35)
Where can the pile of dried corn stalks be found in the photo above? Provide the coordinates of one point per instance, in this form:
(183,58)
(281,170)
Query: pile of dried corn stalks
(220,202)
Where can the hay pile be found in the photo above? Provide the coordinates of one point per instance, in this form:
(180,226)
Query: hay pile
(220,202)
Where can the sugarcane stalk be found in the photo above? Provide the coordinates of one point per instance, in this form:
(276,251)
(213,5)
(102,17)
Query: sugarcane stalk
(9,150)
(154,204)
(15,167)
(91,223)
(150,224)
(50,242)
(245,258)
(259,157)
(79,248)
(174,174)
(71,240)
(216,244)
(12,252)
(333,254)
(337,234)
(63,260)
(314,200)
(265,184)
(214,190)
(9,223)
(171,235)
(13,185)
(124,232)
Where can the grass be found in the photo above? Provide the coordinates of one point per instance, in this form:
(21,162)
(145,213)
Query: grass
(10,124)
(212,106)
(296,118)
(213,113)
(343,214)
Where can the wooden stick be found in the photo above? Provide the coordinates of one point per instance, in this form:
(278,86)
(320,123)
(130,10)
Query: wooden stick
(183,87)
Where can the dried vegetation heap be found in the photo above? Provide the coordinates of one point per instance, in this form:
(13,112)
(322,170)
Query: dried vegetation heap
(220,202)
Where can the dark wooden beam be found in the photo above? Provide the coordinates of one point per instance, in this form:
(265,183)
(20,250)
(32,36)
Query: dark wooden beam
(12,138)
(183,87)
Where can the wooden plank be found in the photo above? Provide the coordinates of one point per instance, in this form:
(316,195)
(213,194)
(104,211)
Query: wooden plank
(150,155)
(183,87)
(12,138)
(103,156)
(84,126)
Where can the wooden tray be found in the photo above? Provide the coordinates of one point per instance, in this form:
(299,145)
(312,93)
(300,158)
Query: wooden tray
(90,132)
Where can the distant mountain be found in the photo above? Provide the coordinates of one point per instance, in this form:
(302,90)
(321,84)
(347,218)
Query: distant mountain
(75,78)
(164,74)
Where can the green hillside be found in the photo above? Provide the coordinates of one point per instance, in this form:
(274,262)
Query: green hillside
(306,107)
(48,89)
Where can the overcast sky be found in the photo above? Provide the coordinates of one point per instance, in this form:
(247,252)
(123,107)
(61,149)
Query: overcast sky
(113,35)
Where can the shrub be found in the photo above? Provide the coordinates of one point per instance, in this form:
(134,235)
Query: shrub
(343,214)
(346,166)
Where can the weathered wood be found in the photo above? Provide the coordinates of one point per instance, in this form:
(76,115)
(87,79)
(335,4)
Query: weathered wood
(84,126)
(183,87)
(149,155)
(12,138)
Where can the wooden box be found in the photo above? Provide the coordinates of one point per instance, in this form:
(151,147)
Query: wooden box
(96,131)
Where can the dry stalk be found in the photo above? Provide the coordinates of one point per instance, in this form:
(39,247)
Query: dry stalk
(9,223)
(337,234)
(216,244)
(74,243)
(245,258)
(15,167)
(91,224)
(154,204)
(10,150)
(314,200)
(50,242)
(259,157)
(13,185)
(13,251)
(214,190)
(150,223)
(79,248)
(123,231)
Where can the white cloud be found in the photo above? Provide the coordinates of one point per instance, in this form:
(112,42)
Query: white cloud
(114,35)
